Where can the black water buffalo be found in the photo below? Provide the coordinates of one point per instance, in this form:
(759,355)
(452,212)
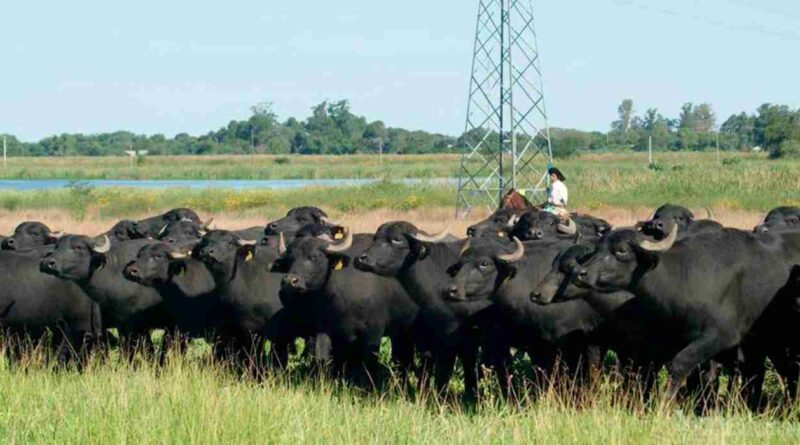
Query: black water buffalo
(419,262)
(490,270)
(665,217)
(532,224)
(295,219)
(781,219)
(124,230)
(97,268)
(698,298)
(545,226)
(185,285)
(30,234)
(251,308)
(498,224)
(151,227)
(32,304)
(352,309)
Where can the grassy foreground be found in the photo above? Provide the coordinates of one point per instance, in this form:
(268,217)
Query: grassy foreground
(193,401)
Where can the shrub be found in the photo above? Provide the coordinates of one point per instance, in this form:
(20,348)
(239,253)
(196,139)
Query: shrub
(787,149)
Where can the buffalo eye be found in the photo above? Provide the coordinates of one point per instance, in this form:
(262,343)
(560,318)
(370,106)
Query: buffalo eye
(794,221)
(485,265)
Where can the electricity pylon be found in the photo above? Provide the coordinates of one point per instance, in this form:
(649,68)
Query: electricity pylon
(507,138)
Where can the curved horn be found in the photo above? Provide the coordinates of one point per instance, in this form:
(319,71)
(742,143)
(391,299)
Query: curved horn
(104,247)
(178,255)
(465,247)
(56,235)
(325,237)
(569,229)
(660,246)
(435,238)
(207,224)
(163,229)
(329,221)
(246,242)
(281,244)
(516,255)
(710,213)
(512,221)
(187,219)
(341,247)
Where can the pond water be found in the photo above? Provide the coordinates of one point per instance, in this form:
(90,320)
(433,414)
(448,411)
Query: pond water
(157,184)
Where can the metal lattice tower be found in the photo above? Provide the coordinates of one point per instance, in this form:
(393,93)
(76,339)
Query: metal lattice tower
(507,137)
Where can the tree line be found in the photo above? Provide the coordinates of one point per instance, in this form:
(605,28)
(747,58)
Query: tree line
(332,128)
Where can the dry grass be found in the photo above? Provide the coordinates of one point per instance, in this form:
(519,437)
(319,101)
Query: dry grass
(360,221)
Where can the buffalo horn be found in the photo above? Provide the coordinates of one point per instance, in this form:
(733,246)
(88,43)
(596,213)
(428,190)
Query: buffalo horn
(516,255)
(329,221)
(569,229)
(710,213)
(660,246)
(341,247)
(466,246)
(101,248)
(512,221)
(178,255)
(435,238)
(281,243)
(56,235)
(163,229)
(246,242)
(207,224)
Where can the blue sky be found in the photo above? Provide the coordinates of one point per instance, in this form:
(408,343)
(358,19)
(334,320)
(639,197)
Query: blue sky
(191,66)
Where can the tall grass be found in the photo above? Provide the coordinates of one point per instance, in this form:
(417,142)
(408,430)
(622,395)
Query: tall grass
(193,400)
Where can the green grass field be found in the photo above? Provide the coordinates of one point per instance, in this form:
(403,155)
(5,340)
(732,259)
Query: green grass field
(195,401)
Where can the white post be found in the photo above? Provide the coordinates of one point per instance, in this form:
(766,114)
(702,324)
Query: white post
(650,150)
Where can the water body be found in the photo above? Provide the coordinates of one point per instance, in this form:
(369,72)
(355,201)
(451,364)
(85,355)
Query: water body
(234,184)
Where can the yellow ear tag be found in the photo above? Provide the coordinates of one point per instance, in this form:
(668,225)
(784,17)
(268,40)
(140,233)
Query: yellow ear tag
(339,265)
(338,235)
(249,256)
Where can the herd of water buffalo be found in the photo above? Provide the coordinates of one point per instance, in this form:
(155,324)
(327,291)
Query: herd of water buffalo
(675,291)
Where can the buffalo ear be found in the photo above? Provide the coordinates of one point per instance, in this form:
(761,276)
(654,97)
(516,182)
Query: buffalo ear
(245,253)
(338,261)
(505,271)
(176,267)
(418,248)
(647,260)
(453,270)
(281,265)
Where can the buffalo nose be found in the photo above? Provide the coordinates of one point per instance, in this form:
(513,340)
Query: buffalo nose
(51,264)
(133,271)
(536,296)
(471,231)
(452,292)
(582,274)
(10,241)
(659,225)
(363,257)
(291,280)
